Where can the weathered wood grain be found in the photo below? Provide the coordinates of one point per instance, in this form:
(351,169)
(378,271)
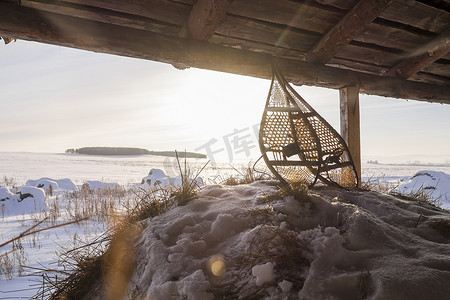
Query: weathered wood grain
(368,55)
(418,15)
(283,12)
(350,124)
(106,16)
(391,37)
(287,13)
(430,78)
(243,44)
(409,12)
(421,57)
(346,29)
(438,69)
(161,10)
(204,18)
(264,33)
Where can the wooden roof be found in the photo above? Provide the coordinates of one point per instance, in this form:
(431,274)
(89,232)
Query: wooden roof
(395,48)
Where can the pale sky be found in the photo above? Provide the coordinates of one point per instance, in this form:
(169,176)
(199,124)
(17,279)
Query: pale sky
(55,98)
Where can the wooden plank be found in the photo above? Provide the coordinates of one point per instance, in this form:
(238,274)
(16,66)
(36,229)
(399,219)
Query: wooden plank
(441,4)
(27,24)
(422,57)
(418,15)
(430,78)
(350,124)
(106,16)
(161,10)
(368,55)
(244,44)
(342,4)
(293,14)
(438,69)
(264,33)
(176,12)
(346,29)
(396,38)
(409,12)
(204,18)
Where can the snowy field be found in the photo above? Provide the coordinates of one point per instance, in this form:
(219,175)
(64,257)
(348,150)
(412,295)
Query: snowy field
(221,227)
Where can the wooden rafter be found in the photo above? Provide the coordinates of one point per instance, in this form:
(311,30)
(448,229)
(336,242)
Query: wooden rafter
(346,29)
(422,57)
(204,18)
(29,24)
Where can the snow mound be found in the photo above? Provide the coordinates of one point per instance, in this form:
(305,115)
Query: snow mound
(43,183)
(28,200)
(5,194)
(233,242)
(158,179)
(64,184)
(434,185)
(94,185)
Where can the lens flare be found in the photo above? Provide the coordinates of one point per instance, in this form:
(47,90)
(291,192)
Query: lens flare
(216,265)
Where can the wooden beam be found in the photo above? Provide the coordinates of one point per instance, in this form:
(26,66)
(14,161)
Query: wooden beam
(422,57)
(350,124)
(204,18)
(28,24)
(346,29)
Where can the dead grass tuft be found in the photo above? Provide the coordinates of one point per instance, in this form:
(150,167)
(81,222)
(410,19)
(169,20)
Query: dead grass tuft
(283,248)
(246,175)
(189,185)
(377,185)
(421,195)
(297,190)
(232,180)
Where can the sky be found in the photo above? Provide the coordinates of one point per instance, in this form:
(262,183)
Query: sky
(54,98)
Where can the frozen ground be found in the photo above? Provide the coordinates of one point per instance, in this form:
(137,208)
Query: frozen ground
(350,244)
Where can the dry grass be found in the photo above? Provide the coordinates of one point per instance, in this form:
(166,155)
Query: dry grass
(189,186)
(297,190)
(108,261)
(232,180)
(421,195)
(246,175)
(9,182)
(377,185)
(271,244)
(98,204)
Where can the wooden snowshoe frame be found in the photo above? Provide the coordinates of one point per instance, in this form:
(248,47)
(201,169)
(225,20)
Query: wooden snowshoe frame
(298,145)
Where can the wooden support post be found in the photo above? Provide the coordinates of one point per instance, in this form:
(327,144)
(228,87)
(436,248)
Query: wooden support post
(350,131)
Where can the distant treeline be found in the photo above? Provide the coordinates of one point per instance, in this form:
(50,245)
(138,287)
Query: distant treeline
(131,151)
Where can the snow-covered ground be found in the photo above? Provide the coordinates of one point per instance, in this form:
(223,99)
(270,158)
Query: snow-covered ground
(233,242)
(350,244)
